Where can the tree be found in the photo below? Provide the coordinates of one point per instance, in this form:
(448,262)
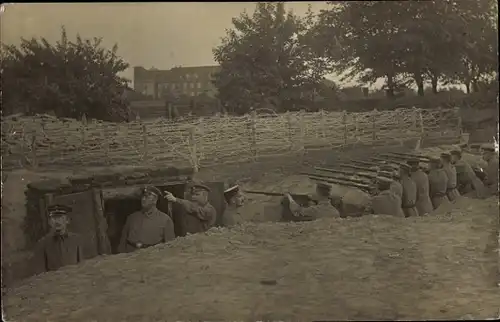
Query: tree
(265,60)
(416,40)
(68,78)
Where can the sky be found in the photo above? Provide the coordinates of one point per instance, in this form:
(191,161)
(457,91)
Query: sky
(160,35)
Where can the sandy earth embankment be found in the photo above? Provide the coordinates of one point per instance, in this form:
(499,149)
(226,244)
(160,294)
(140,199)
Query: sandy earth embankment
(376,267)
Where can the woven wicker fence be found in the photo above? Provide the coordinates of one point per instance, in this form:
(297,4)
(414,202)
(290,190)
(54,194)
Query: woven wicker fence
(47,141)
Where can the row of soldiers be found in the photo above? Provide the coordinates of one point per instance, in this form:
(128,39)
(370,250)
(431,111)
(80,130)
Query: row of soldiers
(410,191)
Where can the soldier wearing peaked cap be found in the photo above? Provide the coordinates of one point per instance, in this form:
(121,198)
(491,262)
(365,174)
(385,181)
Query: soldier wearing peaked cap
(396,186)
(409,198)
(490,155)
(147,227)
(438,183)
(386,202)
(467,181)
(423,203)
(323,209)
(198,215)
(234,200)
(451,172)
(60,247)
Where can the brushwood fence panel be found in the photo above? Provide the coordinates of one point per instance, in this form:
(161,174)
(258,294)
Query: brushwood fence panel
(43,140)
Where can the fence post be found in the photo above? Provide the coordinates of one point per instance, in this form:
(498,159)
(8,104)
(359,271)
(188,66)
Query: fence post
(104,138)
(302,126)
(344,122)
(322,123)
(193,149)
(34,161)
(144,141)
(290,129)
(459,121)
(374,125)
(253,128)
(440,120)
(356,126)
(421,123)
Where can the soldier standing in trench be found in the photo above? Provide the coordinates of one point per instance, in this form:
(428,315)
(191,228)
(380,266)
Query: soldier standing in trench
(491,181)
(467,180)
(234,199)
(60,247)
(396,187)
(323,209)
(451,172)
(424,203)
(409,199)
(438,183)
(147,227)
(198,215)
(386,202)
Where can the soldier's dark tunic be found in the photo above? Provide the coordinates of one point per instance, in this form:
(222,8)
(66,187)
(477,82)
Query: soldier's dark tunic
(424,204)
(492,176)
(467,180)
(231,216)
(409,199)
(55,251)
(387,203)
(438,184)
(197,218)
(397,189)
(148,229)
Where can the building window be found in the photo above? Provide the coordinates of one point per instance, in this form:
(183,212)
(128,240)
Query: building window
(184,85)
(187,76)
(195,76)
(192,93)
(191,85)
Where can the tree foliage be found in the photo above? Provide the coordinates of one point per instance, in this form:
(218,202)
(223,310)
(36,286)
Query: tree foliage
(265,60)
(67,78)
(419,41)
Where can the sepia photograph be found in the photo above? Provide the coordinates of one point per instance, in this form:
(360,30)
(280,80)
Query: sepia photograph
(250,161)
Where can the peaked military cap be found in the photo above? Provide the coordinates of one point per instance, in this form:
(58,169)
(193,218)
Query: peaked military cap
(405,167)
(152,190)
(200,185)
(413,162)
(323,186)
(445,156)
(58,210)
(456,152)
(232,187)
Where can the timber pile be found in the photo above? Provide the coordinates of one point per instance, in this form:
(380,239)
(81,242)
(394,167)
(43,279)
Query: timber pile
(375,267)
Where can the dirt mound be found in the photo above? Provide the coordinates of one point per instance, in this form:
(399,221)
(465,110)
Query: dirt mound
(376,267)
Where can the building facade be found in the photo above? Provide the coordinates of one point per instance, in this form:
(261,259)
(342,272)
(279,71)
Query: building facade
(175,82)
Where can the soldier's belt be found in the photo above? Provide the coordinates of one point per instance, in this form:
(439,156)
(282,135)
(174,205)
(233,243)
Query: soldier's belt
(439,194)
(408,206)
(140,245)
(451,188)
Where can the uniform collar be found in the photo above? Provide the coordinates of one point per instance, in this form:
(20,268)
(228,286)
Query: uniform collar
(149,212)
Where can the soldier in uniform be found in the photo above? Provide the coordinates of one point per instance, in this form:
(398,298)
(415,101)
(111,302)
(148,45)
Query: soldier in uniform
(438,183)
(147,227)
(389,172)
(198,214)
(466,177)
(451,190)
(409,199)
(323,209)
(386,202)
(491,180)
(424,204)
(234,199)
(60,247)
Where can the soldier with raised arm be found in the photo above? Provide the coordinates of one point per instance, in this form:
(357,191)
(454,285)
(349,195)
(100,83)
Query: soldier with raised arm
(323,208)
(147,227)
(424,203)
(198,215)
(409,199)
(438,183)
(449,169)
(60,247)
